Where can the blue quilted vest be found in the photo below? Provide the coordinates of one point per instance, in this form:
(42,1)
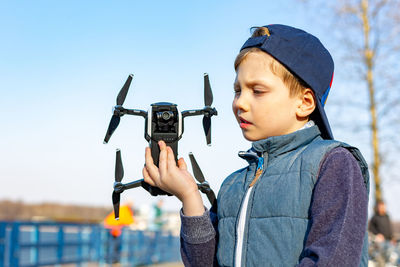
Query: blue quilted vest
(277,216)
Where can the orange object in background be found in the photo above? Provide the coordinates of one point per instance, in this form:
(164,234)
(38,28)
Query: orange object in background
(125,218)
(116,231)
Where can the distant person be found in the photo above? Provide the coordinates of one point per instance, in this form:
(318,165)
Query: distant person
(158,215)
(380,224)
(302,200)
(380,227)
(114,249)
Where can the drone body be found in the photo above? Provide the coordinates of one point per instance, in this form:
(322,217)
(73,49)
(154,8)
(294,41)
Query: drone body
(163,121)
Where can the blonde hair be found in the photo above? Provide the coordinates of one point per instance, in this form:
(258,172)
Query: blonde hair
(295,84)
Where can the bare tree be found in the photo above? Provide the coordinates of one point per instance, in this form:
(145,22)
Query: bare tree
(368,33)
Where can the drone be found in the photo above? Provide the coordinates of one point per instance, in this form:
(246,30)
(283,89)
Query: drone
(163,121)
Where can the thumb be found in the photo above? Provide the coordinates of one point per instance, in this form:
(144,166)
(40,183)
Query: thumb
(182,164)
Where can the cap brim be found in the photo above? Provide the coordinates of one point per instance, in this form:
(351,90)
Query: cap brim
(321,120)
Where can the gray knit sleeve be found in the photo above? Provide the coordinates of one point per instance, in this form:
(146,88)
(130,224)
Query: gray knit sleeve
(199,239)
(197,229)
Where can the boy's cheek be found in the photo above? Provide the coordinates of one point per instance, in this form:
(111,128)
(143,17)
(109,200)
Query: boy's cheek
(234,109)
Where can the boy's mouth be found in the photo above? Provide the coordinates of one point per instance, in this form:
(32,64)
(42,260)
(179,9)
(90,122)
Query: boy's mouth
(243,123)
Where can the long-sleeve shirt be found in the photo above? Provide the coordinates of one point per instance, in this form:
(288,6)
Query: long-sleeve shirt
(338,214)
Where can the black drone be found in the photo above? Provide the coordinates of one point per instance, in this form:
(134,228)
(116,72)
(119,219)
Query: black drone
(164,122)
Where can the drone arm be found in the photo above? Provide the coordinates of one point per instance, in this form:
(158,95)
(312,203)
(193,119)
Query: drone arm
(136,112)
(193,112)
(203,187)
(133,184)
(208,111)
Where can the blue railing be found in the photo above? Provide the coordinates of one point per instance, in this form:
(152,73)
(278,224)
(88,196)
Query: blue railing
(39,244)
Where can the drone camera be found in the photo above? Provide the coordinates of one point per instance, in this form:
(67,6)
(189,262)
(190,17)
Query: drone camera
(165,115)
(165,122)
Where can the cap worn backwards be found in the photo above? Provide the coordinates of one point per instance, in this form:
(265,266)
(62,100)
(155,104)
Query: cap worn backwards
(305,56)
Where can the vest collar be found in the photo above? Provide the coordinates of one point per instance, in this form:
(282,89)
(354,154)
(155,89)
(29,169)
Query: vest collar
(277,145)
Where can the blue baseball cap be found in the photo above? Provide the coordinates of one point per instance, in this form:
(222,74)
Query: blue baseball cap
(304,56)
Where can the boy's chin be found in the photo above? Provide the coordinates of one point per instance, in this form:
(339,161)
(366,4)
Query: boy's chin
(252,138)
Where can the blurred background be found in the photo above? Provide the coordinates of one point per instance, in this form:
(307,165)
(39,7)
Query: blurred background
(62,64)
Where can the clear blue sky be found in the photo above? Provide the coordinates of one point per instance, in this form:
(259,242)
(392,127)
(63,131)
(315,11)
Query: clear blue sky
(62,64)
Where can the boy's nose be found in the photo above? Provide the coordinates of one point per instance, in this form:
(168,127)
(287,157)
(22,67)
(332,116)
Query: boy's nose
(241,103)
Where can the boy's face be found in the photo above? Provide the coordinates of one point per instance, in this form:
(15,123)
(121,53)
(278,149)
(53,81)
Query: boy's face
(262,104)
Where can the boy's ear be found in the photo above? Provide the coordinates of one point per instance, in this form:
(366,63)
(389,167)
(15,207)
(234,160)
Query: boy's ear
(306,104)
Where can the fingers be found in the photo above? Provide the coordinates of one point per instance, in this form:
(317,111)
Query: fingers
(147,178)
(166,167)
(162,165)
(182,164)
(151,169)
(170,157)
(147,157)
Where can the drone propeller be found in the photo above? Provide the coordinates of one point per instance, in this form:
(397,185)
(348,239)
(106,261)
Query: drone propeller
(208,99)
(208,96)
(124,91)
(115,119)
(119,174)
(207,128)
(204,186)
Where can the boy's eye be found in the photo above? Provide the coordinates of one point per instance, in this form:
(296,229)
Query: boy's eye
(259,89)
(258,92)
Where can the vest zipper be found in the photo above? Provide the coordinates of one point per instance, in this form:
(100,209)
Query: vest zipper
(242,227)
(259,171)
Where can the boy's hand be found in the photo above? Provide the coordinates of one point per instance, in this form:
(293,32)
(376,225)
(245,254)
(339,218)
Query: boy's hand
(173,179)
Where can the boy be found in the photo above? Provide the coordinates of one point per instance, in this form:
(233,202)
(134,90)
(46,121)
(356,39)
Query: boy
(303,198)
